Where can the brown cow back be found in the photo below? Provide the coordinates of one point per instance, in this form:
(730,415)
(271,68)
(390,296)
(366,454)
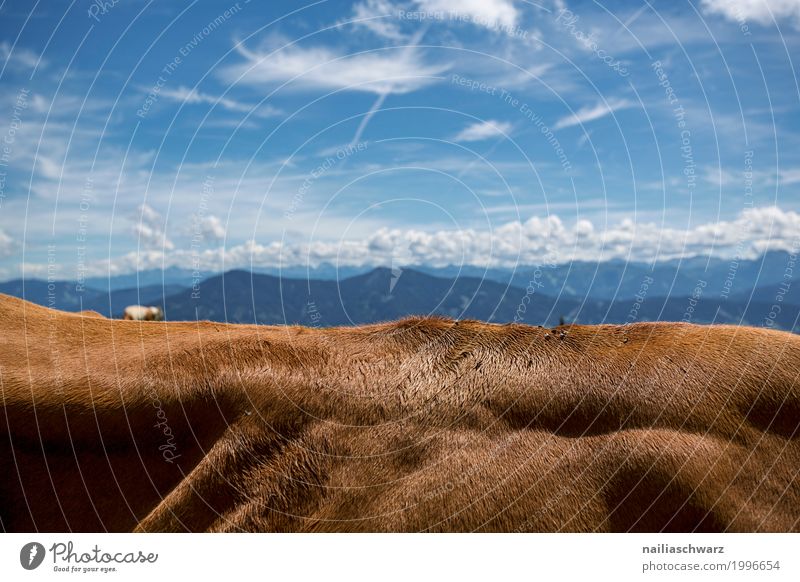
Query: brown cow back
(419,425)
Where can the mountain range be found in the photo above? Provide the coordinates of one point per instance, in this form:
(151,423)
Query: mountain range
(385,294)
(64,295)
(759,292)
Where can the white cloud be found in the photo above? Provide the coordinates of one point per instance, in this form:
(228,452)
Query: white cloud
(57,153)
(587,114)
(760,11)
(6,244)
(651,29)
(209,227)
(148,227)
(483,130)
(791,176)
(723,177)
(511,244)
(489,13)
(20,58)
(48,168)
(380,72)
(187,95)
(379,17)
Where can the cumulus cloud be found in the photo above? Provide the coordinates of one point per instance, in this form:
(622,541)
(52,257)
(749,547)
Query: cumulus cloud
(148,227)
(587,114)
(381,72)
(530,242)
(483,130)
(209,227)
(490,13)
(760,11)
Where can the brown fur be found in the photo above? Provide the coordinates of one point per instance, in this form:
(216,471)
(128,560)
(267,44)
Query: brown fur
(90,313)
(419,425)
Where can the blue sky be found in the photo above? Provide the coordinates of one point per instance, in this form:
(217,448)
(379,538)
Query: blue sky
(229,134)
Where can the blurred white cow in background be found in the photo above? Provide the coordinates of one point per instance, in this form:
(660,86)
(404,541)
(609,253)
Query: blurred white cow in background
(142,313)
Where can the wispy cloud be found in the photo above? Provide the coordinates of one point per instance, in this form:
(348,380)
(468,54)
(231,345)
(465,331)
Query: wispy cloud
(723,177)
(407,52)
(483,130)
(6,244)
(383,17)
(489,13)
(649,28)
(187,95)
(587,114)
(20,58)
(381,72)
(378,17)
(791,176)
